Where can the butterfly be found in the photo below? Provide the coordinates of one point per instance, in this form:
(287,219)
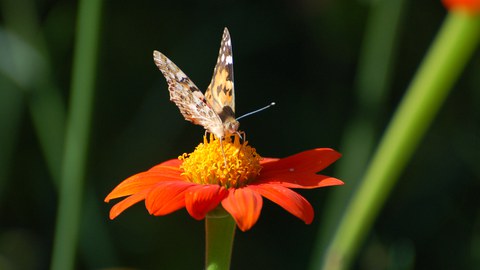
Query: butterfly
(215,110)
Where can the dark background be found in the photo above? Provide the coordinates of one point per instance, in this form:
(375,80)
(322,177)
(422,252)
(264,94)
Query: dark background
(304,55)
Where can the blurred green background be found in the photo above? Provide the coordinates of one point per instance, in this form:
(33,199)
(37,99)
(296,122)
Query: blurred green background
(336,69)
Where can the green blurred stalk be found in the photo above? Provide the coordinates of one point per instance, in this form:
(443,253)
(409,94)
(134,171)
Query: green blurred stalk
(76,140)
(450,52)
(372,83)
(10,114)
(24,61)
(220,233)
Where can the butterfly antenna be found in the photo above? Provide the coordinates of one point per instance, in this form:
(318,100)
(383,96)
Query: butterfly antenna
(259,110)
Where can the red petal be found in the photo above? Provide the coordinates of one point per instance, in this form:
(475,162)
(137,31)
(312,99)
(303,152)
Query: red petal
(299,180)
(118,208)
(167,197)
(244,204)
(299,171)
(170,163)
(201,199)
(130,186)
(471,6)
(266,160)
(311,161)
(144,180)
(288,199)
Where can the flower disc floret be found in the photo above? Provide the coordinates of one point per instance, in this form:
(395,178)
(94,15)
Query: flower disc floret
(227,162)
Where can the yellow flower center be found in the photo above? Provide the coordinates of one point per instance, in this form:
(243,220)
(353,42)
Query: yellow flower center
(226,162)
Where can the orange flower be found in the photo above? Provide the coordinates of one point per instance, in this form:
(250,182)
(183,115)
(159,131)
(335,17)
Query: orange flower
(200,182)
(470,6)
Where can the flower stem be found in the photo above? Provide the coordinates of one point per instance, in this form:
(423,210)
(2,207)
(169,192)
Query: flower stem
(373,81)
(77,131)
(220,232)
(449,54)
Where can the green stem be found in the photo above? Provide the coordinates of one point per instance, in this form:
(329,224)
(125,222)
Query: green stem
(375,66)
(76,140)
(449,54)
(220,232)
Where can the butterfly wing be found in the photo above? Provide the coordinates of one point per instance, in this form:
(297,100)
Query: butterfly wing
(188,98)
(220,94)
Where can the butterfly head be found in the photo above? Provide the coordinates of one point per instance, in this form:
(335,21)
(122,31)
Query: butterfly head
(230,126)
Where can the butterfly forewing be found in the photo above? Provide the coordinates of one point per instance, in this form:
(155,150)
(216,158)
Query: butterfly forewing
(220,93)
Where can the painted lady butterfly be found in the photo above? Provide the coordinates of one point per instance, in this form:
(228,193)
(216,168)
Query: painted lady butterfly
(216,110)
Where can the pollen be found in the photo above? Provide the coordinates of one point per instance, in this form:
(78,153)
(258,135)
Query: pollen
(228,162)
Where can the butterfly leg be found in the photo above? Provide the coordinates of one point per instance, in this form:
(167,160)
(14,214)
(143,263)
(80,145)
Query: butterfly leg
(243,137)
(223,152)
